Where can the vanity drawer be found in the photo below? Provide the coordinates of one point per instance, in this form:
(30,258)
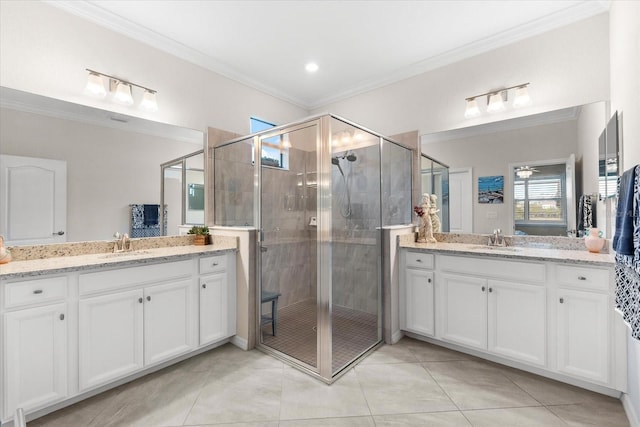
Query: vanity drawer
(529,272)
(419,260)
(35,291)
(583,277)
(213,264)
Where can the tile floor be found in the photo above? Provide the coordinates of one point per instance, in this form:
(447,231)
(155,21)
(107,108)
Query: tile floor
(410,383)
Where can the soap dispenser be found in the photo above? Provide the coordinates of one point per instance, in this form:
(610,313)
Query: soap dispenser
(5,255)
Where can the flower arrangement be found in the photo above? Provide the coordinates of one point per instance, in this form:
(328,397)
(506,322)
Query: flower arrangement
(419,210)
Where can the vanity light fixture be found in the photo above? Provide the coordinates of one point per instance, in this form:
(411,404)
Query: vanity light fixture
(122,90)
(496,100)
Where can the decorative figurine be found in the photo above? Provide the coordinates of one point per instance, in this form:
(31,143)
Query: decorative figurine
(433,213)
(5,255)
(425,229)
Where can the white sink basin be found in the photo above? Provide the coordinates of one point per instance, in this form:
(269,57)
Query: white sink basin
(131,254)
(494,248)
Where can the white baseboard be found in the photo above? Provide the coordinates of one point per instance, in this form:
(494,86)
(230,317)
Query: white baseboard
(240,342)
(632,416)
(397,336)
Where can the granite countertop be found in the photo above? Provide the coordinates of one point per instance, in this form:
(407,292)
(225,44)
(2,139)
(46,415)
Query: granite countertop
(527,253)
(66,264)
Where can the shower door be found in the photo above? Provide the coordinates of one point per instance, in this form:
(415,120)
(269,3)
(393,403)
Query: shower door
(288,223)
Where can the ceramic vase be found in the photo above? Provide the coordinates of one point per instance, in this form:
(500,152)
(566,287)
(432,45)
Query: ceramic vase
(593,241)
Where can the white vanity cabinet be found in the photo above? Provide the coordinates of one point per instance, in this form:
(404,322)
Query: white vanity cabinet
(217,298)
(417,294)
(583,327)
(506,316)
(556,318)
(149,318)
(35,344)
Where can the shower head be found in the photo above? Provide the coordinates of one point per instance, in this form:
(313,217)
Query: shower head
(351,157)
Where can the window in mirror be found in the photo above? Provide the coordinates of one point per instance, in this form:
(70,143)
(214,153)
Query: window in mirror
(540,201)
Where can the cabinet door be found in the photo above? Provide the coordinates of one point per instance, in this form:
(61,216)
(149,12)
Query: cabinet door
(35,356)
(517,321)
(110,337)
(214,324)
(419,306)
(169,320)
(583,325)
(464,310)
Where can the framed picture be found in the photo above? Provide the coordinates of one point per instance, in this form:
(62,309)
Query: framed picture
(491,189)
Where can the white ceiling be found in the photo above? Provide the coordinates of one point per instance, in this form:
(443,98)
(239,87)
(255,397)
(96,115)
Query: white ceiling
(359,45)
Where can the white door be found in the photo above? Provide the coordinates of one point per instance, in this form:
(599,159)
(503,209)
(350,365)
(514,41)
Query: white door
(169,321)
(213,308)
(110,337)
(517,321)
(464,310)
(35,355)
(583,325)
(419,304)
(33,200)
(460,201)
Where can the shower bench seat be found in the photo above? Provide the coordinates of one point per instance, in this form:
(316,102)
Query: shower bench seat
(271,297)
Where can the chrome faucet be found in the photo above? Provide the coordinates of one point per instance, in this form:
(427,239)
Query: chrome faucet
(123,243)
(497,239)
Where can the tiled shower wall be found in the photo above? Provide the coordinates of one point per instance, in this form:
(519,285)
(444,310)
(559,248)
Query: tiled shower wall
(288,200)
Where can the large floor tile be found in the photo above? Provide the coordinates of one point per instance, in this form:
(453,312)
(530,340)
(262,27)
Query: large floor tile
(331,422)
(478,385)
(427,352)
(604,412)
(397,353)
(244,395)
(548,391)
(304,397)
(228,358)
(436,419)
(509,417)
(401,388)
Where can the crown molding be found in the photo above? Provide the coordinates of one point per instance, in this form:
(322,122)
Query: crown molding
(551,117)
(111,21)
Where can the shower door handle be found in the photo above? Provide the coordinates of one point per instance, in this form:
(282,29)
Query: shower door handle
(263,249)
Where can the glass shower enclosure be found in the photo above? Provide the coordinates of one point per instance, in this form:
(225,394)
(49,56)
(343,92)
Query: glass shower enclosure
(319,193)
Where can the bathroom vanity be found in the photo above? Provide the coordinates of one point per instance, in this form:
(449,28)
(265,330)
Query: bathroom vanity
(75,326)
(548,311)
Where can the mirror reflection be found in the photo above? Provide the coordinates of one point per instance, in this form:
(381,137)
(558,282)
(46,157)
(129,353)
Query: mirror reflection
(498,149)
(112,162)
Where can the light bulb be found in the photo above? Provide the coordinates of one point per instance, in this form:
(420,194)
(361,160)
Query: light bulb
(495,103)
(521,97)
(149,102)
(472,109)
(123,94)
(95,86)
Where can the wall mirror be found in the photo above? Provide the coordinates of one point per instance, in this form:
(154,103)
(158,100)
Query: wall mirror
(495,149)
(434,179)
(608,158)
(112,160)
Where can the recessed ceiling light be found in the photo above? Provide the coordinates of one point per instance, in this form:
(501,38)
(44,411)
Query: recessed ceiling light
(311,67)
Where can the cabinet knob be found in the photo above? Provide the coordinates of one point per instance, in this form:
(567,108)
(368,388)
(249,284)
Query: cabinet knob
(582,278)
(490,289)
(419,260)
(214,264)
(61,316)
(148,297)
(140,300)
(204,286)
(37,291)
(561,300)
(483,288)
(429,280)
